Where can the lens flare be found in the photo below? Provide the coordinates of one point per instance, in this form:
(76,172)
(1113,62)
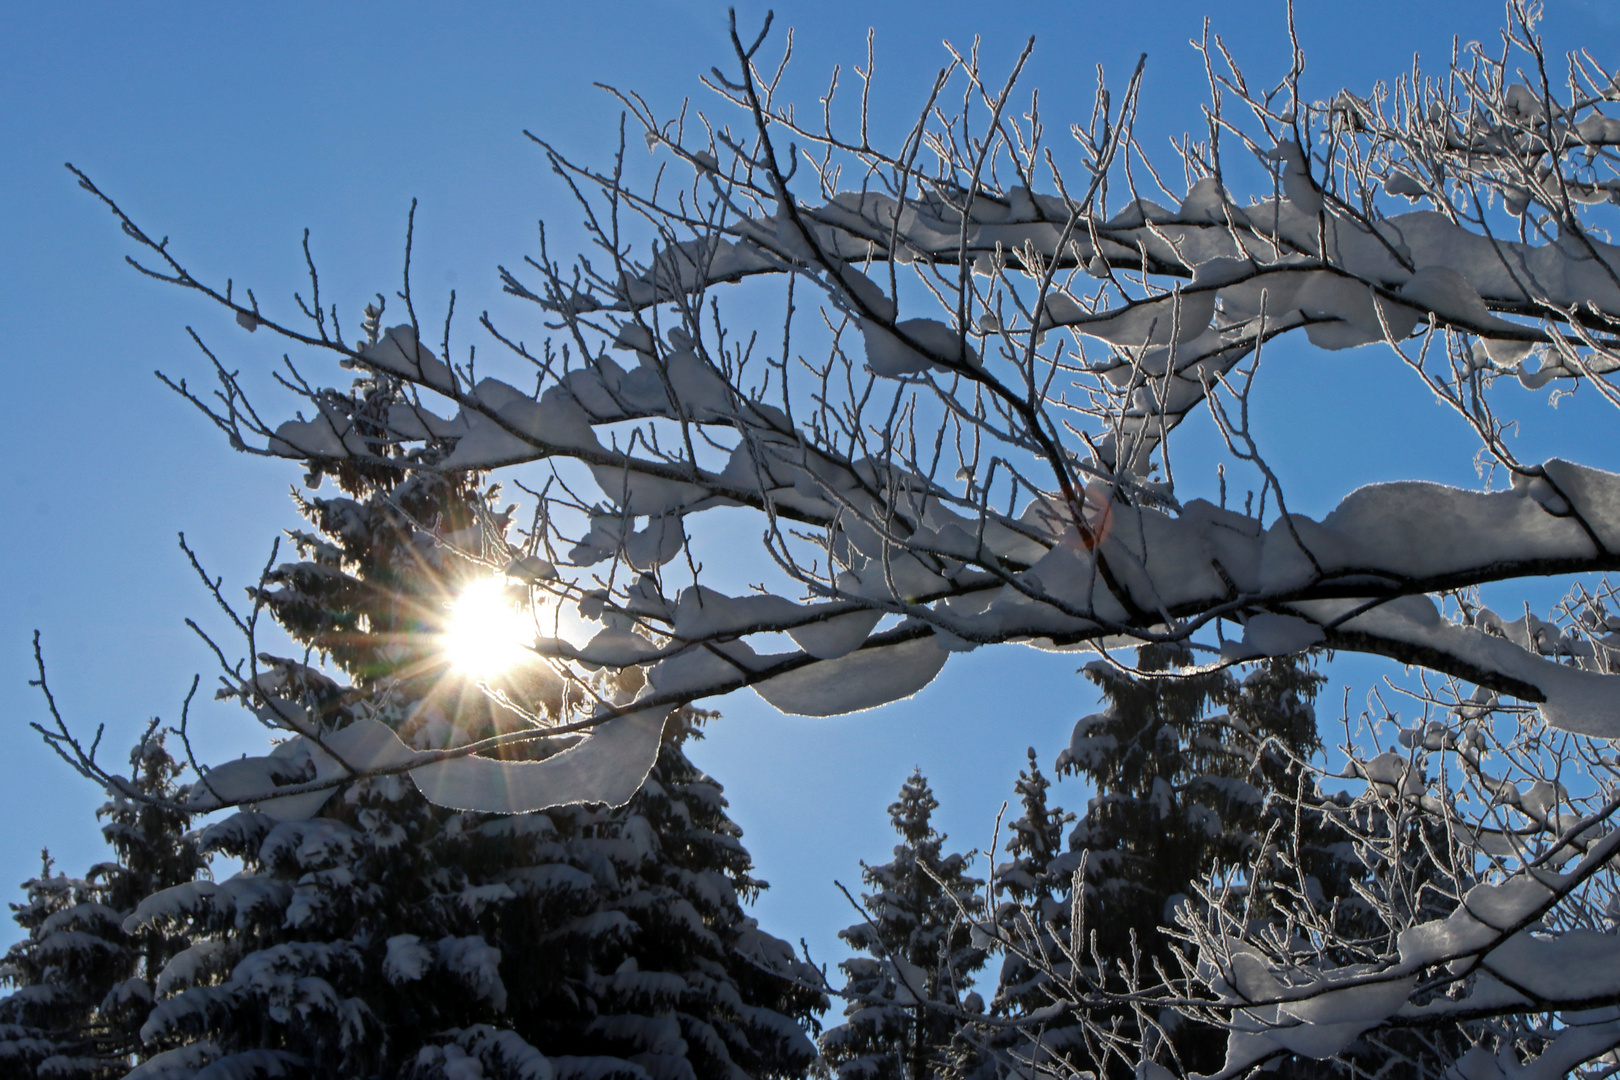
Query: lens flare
(485,634)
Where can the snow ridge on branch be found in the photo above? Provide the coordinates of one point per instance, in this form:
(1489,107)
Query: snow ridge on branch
(1053,342)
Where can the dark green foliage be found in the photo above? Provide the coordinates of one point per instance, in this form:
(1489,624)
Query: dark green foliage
(1182,790)
(1032,916)
(73,954)
(1035,882)
(84,984)
(1196,778)
(387,937)
(1179,791)
(908,994)
(388,933)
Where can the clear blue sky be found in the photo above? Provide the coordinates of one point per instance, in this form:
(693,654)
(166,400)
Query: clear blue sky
(232,127)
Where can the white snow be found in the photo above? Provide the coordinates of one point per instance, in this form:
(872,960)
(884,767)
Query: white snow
(407,959)
(857,681)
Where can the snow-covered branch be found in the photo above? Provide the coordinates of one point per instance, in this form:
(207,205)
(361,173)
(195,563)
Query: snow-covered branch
(970,444)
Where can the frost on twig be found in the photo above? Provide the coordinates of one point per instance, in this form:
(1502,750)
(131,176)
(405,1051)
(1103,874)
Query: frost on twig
(962,434)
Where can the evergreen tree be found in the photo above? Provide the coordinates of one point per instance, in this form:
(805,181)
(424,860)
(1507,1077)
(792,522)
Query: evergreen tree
(1032,888)
(153,851)
(907,995)
(83,984)
(389,937)
(1182,792)
(1035,882)
(60,972)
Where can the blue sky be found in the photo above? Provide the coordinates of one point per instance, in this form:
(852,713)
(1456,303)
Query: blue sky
(231,128)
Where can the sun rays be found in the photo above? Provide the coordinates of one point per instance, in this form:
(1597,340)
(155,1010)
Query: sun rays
(485,633)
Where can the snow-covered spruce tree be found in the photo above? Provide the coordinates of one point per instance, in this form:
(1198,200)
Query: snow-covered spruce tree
(977,448)
(390,937)
(1183,792)
(908,994)
(83,985)
(1031,893)
(1035,883)
(72,956)
(386,936)
(154,851)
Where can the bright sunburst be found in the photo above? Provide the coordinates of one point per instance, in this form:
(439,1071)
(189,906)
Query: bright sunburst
(485,634)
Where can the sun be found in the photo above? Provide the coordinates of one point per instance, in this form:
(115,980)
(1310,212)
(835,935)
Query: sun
(485,633)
